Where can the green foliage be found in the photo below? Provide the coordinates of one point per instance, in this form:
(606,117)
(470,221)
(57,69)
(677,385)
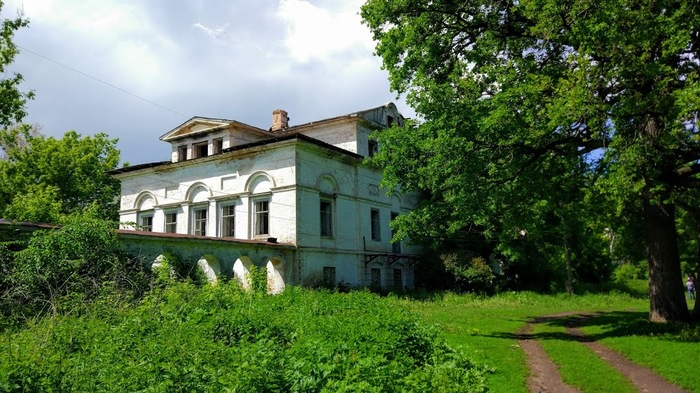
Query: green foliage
(472,273)
(218,338)
(12,101)
(63,268)
(45,179)
(546,118)
(626,272)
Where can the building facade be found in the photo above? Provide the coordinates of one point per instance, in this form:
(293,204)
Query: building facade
(303,189)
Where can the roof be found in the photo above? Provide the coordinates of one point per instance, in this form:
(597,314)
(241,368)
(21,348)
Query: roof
(269,141)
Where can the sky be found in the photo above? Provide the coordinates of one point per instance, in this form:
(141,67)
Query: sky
(137,69)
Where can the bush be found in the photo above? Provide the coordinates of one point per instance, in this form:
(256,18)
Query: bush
(219,338)
(471,273)
(65,267)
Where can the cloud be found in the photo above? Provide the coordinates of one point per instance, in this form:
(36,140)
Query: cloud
(215,32)
(315,33)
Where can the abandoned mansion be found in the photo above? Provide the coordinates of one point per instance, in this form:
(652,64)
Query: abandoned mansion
(300,201)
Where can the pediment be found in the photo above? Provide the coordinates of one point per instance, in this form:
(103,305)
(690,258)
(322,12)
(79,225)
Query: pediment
(194,126)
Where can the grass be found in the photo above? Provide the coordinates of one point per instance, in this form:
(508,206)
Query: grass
(671,350)
(486,329)
(579,366)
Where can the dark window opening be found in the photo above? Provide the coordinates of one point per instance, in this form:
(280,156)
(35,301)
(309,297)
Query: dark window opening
(375,225)
(398,279)
(329,276)
(372,147)
(326,218)
(201,150)
(182,153)
(218,145)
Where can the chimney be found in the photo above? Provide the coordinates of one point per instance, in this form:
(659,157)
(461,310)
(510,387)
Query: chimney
(280,121)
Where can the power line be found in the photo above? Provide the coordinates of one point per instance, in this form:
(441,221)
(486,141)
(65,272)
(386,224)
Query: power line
(101,81)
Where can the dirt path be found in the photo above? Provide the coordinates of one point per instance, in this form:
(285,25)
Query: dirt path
(545,377)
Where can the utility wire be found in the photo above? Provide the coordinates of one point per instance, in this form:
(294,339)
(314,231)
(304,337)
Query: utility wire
(101,81)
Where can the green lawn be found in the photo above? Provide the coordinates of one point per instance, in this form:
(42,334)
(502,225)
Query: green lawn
(486,327)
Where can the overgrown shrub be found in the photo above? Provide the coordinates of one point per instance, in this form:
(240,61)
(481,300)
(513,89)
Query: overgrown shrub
(472,273)
(185,338)
(65,267)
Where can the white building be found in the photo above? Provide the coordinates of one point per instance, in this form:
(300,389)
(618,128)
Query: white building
(301,196)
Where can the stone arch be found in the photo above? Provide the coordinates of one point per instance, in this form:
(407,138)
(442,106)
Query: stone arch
(275,276)
(241,272)
(146,200)
(259,182)
(164,261)
(198,192)
(209,265)
(327,184)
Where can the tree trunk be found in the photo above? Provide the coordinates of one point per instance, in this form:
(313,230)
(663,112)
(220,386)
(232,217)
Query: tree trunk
(569,274)
(666,296)
(696,308)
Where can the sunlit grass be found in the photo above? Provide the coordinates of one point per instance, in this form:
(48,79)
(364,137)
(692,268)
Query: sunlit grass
(579,366)
(486,327)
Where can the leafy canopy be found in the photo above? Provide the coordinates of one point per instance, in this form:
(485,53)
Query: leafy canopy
(44,178)
(530,110)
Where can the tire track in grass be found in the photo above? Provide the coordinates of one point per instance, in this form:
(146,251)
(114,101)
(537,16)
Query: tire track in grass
(642,377)
(544,375)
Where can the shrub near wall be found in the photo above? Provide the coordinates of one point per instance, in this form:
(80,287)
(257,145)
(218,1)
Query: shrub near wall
(184,338)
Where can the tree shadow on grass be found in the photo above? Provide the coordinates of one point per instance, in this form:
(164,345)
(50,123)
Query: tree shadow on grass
(613,324)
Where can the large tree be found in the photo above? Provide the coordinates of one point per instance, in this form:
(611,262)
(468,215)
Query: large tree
(515,96)
(46,179)
(12,100)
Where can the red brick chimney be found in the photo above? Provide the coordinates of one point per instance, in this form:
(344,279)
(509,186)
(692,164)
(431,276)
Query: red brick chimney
(280,121)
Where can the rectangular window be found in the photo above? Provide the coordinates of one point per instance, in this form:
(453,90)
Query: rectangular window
(201,149)
(396,245)
(171,222)
(146,222)
(372,147)
(375,279)
(390,121)
(218,145)
(376,228)
(326,218)
(199,221)
(228,221)
(182,153)
(261,224)
(329,276)
(398,279)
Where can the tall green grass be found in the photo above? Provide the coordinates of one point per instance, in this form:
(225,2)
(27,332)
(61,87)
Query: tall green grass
(187,339)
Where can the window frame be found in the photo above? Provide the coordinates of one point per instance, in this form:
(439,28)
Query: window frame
(230,218)
(167,225)
(397,278)
(182,153)
(147,214)
(329,276)
(326,226)
(217,145)
(195,220)
(372,147)
(375,283)
(200,149)
(375,225)
(258,215)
